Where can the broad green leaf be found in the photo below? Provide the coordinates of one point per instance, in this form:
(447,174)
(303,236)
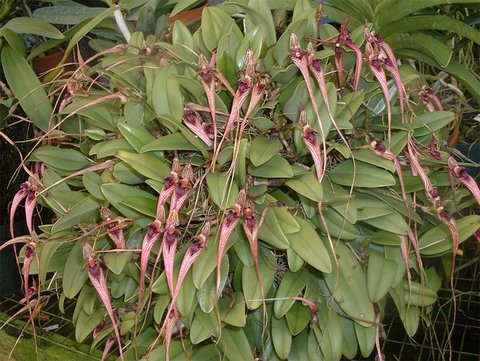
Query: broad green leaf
(417,294)
(15,41)
(250,283)
(166,95)
(281,337)
(308,186)
(181,36)
(187,300)
(109,148)
(214,21)
(66,15)
(146,164)
(116,194)
(430,22)
(350,344)
(234,344)
(426,44)
(222,190)
(349,286)
(86,323)
(276,167)
(60,158)
(233,310)
(391,10)
(125,174)
(262,149)
(24,25)
(392,222)
(366,338)
(308,245)
(438,240)
(287,222)
(175,141)
(253,40)
(135,135)
(380,275)
(116,261)
(430,122)
(365,175)
(79,213)
(272,233)
(26,87)
(298,317)
(337,226)
(313,348)
(386,238)
(204,325)
(295,262)
(207,294)
(144,205)
(290,286)
(369,157)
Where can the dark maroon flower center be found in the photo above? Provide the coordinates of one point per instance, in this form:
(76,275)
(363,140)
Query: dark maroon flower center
(311,137)
(207,77)
(190,117)
(95,271)
(434,193)
(29,252)
(380,147)
(169,182)
(317,64)
(251,222)
(297,53)
(463,174)
(243,86)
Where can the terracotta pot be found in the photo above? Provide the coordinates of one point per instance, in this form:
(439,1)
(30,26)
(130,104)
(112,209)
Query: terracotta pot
(44,64)
(189,15)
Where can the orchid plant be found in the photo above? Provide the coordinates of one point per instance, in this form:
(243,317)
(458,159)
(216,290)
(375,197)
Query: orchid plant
(260,186)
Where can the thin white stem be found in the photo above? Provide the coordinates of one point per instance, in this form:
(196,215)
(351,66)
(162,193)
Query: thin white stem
(122,25)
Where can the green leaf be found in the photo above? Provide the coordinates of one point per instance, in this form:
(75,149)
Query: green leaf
(117,195)
(391,10)
(386,238)
(338,227)
(253,40)
(214,21)
(207,294)
(349,286)
(430,22)
(146,164)
(262,149)
(204,325)
(175,141)
(66,15)
(33,26)
(117,261)
(186,300)
(181,36)
(233,310)
(369,157)
(79,213)
(86,323)
(26,87)
(380,275)
(250,283)
(60,158)
(281,337)
(298,317)
(135,135)
(234,344)
(426,44)
(308,245)
(308,186)
(431,122)
(295,262)
(223,191)
(366,338)
(290,286)
(166,95)
(272,233)
(276,167)
(438,240)
(350,344)
(366,175)
(144,205)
